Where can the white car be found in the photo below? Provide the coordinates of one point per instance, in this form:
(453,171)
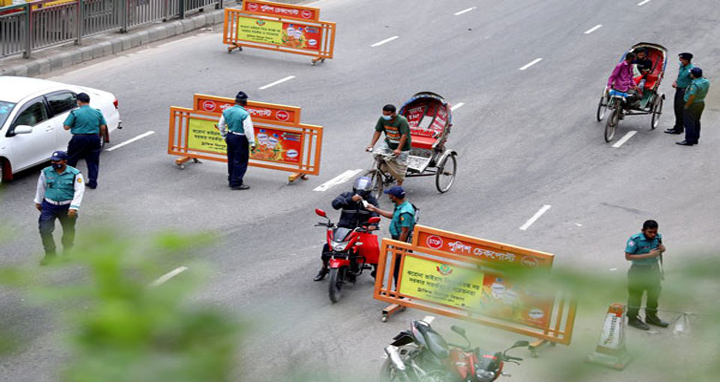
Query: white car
(32,112)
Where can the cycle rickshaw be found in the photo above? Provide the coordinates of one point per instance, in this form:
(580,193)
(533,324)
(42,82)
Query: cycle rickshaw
(651,102)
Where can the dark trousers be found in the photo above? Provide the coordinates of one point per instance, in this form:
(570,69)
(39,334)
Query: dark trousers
(46,223)
(691,119)
(238,154)
(678,105)
(86,147)
(643,278)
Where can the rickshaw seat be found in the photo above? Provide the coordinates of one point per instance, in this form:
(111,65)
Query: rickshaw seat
(422,142)
(651,80)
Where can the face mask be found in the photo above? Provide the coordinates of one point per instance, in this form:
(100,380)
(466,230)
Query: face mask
(57,166)
(387,117)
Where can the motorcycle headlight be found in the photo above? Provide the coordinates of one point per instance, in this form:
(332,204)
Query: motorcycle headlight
(485,376)
(339,246)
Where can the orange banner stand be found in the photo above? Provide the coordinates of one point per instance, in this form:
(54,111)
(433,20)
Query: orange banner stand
(469,278)
(282,142)
(280,27)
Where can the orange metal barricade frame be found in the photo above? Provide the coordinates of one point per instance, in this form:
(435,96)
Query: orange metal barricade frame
(326,45)
(559,327)
(220,103)
(311,140)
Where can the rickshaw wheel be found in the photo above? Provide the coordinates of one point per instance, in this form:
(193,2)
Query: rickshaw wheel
(336,284)
(602,109)
(612,122)
(656,113)
(445,176)
(377,181)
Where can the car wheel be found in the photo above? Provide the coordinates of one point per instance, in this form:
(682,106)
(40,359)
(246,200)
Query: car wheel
(2,170)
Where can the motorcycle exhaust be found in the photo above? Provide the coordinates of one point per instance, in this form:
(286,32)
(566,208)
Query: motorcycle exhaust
(394,354)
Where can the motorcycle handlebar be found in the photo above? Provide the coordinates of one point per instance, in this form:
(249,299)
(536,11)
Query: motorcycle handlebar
(511,358)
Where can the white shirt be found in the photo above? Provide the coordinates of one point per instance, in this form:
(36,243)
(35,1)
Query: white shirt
(78,186)
(248,129)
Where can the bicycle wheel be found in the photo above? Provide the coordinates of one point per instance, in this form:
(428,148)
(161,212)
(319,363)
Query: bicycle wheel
(612,122)
(445,176)
(656,113)
(378,181)
(602,109)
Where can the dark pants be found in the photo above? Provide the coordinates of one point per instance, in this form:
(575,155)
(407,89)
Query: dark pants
(398,260)
(46,223)
(238,155)
(691,117)
(86,147)
(643,278)
(678,104)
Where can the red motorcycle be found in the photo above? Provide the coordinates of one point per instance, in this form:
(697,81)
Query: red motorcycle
(422,355)
(350,252)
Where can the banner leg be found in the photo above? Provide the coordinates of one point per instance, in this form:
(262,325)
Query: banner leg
(233,47)
(391,310)
(296,176)
(180,162)
(537,345)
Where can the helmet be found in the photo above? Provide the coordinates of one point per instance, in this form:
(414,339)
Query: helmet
(362,186)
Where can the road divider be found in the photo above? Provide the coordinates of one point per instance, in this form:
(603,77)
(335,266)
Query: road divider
(486,282)
(281,141)
(387,40)
(531,63)
(280,27)
(342,178)
(129,141)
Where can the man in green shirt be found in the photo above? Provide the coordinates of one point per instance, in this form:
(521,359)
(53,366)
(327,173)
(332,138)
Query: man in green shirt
(88,127)
(694,106)
(397,142)
(682,82)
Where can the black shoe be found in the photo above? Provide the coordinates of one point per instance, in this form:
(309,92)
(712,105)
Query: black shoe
(321,274)
(240,187)
(636,322)
(92,186)
(673,131)
(653,319)
(684,143)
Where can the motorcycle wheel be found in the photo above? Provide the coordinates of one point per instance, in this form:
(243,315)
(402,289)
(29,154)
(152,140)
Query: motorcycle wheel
(389,374)
(336,284)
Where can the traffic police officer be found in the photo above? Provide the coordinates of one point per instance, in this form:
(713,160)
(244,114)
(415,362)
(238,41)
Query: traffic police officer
(87,125)
(645,251)
(237,128)
(682,82)
(694,106)
(60,190)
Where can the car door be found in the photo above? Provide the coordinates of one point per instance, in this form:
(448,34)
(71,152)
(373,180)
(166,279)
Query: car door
(60,104)
(37,146)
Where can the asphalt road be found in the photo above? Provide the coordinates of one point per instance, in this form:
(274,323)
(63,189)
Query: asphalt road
(525,139)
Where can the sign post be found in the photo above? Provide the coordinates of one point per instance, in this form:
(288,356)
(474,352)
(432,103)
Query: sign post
(281,27)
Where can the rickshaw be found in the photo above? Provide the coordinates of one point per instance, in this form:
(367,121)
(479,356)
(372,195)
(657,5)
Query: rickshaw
(430,120)
(651,102)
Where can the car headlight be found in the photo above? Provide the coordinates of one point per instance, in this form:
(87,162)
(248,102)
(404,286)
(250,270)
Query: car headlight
(339,246)
(485,375)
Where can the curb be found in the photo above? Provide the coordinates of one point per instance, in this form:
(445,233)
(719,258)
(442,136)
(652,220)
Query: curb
(64,59)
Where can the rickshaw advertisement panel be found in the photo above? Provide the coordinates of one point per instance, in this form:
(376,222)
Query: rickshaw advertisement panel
(284,34)
(272,145)
(469,289)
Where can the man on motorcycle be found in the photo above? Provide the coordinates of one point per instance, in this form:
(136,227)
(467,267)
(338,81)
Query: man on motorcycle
(354,213)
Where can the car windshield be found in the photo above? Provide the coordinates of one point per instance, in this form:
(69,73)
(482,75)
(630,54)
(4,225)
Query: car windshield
(5,109)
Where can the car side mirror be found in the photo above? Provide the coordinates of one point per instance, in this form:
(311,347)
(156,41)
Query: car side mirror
(320,212)
(22,129)
(458,330)
(374,220)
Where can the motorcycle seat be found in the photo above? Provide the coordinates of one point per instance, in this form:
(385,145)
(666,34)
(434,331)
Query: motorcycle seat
(434,341)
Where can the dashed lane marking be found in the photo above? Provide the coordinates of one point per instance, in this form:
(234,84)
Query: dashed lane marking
(384,41)
(129,141)
(531,63)
(342,178)
(640,4)
(164,278)
(535,217)
(464,11)
(288,78)
(593,29)
(457,106)
(624,139)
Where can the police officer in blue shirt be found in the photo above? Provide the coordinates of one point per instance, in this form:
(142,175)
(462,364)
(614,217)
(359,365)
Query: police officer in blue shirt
(645,251)
(682,82)
(87,125)
(59,193)
(237,128)
(694,105)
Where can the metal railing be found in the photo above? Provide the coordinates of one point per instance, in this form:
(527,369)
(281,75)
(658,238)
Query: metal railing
(43,23)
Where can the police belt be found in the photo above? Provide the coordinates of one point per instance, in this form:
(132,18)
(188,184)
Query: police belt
(63,203)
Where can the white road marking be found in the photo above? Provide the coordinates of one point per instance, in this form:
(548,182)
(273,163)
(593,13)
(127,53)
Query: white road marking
(288,78)
(531,63)
(640,4)
(429,319)
(613,269)
(535,217)
(457,106)
(342,178)
(164,278)
(624,139)
(593,29)
(384,41)
(578,224)
(464,11)
(141,136)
